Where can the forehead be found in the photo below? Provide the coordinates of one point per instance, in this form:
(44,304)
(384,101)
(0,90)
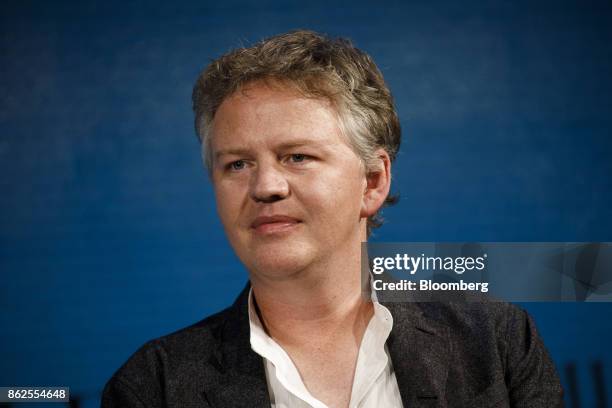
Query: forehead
(273,113)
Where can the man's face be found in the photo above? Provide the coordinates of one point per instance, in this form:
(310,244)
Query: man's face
(288,187)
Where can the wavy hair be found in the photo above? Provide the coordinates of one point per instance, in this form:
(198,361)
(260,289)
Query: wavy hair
(318,67)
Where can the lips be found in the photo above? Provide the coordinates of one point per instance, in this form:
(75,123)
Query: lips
(274,223)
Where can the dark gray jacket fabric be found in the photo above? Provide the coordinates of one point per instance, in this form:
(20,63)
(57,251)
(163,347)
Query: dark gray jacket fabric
(444,355)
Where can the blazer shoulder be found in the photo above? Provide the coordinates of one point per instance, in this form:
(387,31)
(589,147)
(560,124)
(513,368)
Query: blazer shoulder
(483,316)
(188,352)
(493,329)
(499,342)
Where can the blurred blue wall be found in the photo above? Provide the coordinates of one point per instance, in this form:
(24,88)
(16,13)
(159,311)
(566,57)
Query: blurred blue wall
(108,232)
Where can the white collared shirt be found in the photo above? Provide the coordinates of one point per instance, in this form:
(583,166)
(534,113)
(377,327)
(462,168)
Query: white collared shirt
(374,384)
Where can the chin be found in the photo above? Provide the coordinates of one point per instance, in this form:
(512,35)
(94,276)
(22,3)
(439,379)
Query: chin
(279,261)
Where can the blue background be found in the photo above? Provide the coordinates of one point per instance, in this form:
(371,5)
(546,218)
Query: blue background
(108,231)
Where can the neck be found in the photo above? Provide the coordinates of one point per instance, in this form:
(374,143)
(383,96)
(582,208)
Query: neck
(321,301)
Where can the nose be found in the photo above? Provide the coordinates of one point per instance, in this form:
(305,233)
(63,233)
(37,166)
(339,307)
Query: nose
(268,184)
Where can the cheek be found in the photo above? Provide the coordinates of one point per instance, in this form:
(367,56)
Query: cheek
(333,197)
(228,203)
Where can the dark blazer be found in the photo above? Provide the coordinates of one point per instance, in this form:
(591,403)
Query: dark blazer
(473,355)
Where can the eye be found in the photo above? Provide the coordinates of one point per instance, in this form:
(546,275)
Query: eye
(237,165)
(297,157)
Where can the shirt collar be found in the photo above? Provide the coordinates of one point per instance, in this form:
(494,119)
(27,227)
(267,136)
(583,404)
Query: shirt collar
(372,359)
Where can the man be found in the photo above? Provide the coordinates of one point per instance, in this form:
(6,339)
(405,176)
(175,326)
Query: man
(298,133)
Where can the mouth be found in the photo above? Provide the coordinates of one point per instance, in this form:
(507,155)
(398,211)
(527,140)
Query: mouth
(274,224)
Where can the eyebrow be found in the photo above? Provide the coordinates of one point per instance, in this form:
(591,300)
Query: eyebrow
(227,152)
(282,146)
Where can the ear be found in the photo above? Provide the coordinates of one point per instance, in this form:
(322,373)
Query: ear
(378,184)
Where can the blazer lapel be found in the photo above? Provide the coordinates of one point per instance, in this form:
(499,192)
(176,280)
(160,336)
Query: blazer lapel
(420,355)
(240,379)
(418,347)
